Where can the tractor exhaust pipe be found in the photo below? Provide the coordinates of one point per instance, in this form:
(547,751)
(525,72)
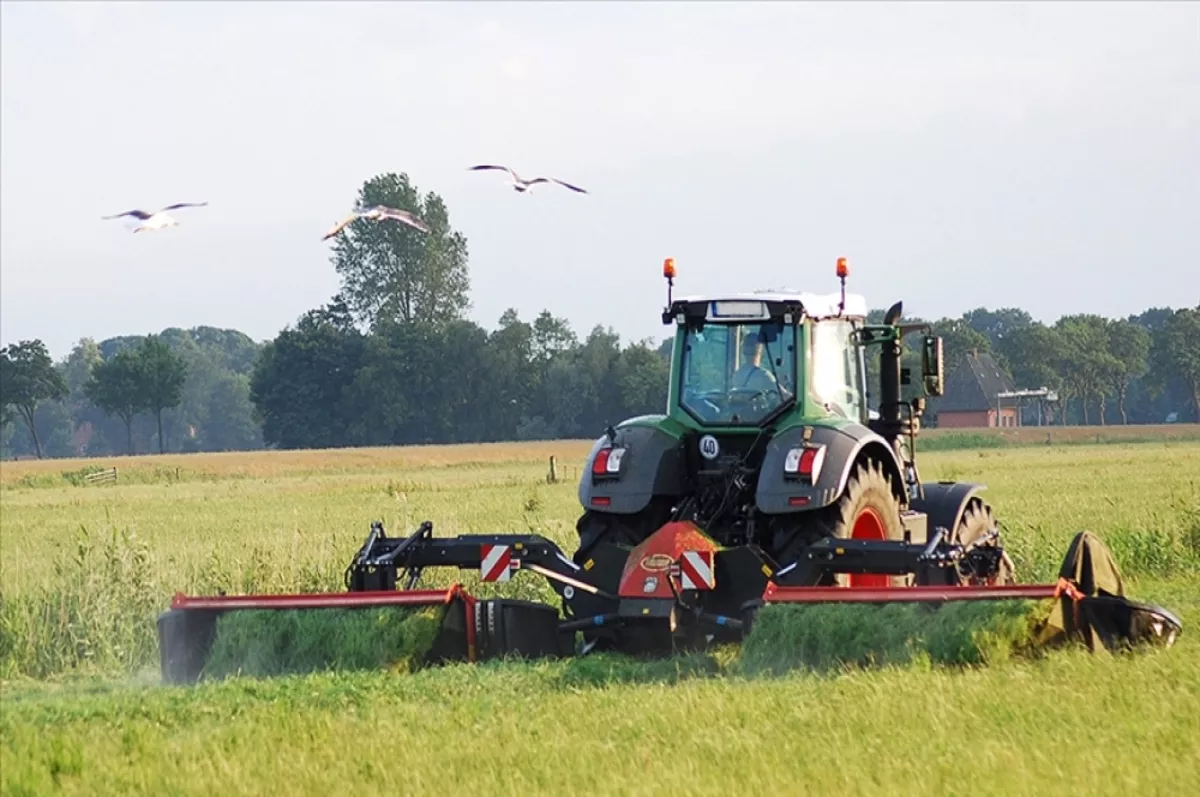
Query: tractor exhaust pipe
(889,376)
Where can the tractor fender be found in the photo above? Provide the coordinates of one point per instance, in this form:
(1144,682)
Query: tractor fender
(944,503)
(843,447)
(652,465)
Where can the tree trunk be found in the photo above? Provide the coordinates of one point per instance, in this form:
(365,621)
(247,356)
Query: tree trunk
(1083,403)
(162,446)
(1121,404)
(1102,401)
(28,413)
(1196,397)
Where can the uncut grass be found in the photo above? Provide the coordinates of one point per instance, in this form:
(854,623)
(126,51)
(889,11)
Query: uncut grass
(175,468)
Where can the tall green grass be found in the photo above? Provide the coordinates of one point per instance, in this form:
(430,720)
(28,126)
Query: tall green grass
(90,614)
(96,610)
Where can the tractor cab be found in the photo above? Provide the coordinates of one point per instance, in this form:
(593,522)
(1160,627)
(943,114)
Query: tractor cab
(746,360)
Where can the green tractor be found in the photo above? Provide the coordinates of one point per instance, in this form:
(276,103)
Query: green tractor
(768,440)
(768,480)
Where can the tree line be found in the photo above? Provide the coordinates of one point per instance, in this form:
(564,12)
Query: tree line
(176,391)
(393,360)
(1141,369)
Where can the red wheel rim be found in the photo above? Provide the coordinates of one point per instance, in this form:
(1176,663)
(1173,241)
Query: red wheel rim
(868,526)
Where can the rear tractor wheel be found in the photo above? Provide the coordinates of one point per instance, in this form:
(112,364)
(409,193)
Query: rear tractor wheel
(625,530)
(869,510)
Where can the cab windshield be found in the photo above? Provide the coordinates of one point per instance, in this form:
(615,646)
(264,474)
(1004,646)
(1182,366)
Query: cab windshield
(738,374)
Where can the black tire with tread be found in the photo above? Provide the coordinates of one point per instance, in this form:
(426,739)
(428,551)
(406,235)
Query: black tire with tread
(627,530)
(976,521)
(867,486)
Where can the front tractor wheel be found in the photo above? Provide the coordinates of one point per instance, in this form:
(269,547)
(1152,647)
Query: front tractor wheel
(869,510)
(974,524)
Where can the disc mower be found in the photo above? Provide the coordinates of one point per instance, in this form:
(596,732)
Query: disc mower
(768,480)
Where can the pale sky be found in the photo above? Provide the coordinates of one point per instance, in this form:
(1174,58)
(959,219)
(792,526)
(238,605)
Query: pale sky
(1045,156)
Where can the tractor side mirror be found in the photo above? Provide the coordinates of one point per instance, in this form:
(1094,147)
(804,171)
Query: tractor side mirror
(933,366)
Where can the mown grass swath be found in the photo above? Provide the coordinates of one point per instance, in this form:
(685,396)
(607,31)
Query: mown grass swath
(275,642)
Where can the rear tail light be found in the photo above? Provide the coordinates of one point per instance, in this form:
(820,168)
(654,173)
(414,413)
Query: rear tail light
(804,462)
(608,461)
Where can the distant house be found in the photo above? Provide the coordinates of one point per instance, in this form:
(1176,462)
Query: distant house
(970,398)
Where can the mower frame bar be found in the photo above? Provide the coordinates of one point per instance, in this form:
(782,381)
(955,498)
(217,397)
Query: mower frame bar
(777,594)
(323,600)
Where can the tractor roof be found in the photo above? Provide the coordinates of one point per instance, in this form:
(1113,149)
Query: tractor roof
(747,306)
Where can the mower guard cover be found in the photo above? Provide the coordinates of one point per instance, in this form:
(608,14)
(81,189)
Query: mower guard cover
(607,592)
(1102,618)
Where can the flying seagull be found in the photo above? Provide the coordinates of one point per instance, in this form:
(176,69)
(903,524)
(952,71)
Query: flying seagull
(521,185)
(158,219)
(377,213)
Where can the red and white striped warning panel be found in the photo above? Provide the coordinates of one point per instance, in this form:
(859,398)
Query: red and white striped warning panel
(495,563)
(696,570)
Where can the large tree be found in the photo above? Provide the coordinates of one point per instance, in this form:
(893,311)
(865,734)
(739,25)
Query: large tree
(28,378)
(551,336)
(299,381)
(1129,344)
(393,272)
(163,373)
(118,387)
(513,376)
(1086,364)
(1031,355)
(642,378)
(1176,353)
(997,325)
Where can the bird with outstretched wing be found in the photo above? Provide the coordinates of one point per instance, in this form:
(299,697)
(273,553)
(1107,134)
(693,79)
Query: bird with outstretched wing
(157,219)
(522,185)
(378,213)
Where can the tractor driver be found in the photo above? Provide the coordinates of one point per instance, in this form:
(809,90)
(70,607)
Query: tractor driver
(751,376)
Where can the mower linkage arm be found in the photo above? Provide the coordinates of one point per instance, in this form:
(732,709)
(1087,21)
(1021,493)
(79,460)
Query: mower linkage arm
(882,557)
(382,558)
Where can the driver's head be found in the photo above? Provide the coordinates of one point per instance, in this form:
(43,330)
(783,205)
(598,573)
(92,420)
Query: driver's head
(751,349)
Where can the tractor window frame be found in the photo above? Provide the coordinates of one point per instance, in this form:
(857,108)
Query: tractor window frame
(722,359)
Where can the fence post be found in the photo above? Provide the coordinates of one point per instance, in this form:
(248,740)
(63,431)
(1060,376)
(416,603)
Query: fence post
(552,476)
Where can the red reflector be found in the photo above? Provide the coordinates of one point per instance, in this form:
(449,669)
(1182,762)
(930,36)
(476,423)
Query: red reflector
(807,458)
(600,463)
(604,501)
(798,500)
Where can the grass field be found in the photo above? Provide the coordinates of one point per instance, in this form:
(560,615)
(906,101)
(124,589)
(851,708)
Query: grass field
(84,570)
